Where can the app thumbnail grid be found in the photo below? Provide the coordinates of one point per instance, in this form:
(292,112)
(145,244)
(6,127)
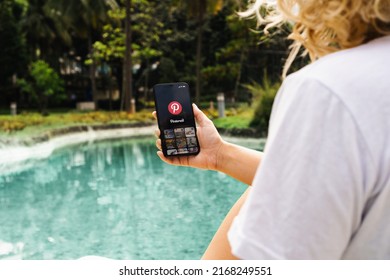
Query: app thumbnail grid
(180,140)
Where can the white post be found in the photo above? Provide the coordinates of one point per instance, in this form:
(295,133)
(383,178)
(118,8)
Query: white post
(211,106)
(221,104)
(13,108)
(133,105)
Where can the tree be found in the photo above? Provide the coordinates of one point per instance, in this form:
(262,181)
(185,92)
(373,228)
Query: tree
(229,52)
(146,30)
(42,84)
(243,56)
(199,10)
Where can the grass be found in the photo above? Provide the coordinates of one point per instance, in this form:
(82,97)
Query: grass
(27,124)
(239,118)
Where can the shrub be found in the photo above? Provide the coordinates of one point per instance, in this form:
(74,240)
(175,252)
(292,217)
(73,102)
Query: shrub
(9,126)
(264,95)
(42,84)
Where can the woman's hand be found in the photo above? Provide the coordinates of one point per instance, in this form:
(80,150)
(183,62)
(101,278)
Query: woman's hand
(216,154)
(209,140)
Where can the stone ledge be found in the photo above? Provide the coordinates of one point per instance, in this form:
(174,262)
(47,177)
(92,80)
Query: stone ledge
(50,134)
(47,136)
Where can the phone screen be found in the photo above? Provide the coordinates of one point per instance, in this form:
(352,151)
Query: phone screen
(176,119)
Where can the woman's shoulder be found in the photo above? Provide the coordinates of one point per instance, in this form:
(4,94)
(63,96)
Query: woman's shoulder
(352,83)
(365,67)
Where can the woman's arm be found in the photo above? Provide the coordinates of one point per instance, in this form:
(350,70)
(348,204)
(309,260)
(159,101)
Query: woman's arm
(239,162)
(219,247)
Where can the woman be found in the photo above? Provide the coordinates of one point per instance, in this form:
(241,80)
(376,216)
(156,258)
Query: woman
(321,190)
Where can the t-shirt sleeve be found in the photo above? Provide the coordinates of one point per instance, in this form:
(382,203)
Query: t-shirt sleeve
(309,192)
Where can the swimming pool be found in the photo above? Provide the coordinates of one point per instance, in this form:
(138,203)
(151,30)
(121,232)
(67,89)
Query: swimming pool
(115,199)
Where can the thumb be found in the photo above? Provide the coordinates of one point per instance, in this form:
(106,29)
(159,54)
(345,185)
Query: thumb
(200,117)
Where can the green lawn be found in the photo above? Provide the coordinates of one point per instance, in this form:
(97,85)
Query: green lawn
(240,118)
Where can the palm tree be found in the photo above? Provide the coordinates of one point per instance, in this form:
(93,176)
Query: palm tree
(43,27)
(84,18)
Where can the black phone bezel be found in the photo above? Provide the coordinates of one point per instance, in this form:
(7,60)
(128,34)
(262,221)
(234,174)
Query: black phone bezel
(160,126)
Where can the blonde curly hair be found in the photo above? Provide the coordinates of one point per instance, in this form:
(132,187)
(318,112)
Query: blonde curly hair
(324,26)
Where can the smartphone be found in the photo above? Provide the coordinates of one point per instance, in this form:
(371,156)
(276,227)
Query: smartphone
(176,119)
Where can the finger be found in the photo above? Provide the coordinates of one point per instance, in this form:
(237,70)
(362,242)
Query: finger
(165,159)
(154,114)
(157,132)
(170,160)
(200,117)
(158,144)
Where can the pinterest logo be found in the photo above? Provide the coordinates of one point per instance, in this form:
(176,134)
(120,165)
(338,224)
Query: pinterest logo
(175,108)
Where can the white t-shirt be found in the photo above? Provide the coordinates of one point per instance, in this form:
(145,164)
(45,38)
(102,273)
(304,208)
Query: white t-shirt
(323,188)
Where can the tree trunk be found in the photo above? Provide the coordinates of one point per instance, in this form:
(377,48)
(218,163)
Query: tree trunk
(92,71)
(198,83)
(127,64)
(238,79)
(122,85)
(40,104)
(146,84)
(43,104)
(110,92)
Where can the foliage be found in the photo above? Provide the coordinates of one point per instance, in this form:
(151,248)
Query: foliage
(43,83)
(221,73)
(241,54)
(147,30)
(172,40)
(46,32)
(46,79)
(81,17)
(264,95)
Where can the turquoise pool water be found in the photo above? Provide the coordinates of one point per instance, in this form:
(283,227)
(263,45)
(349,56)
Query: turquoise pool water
(114,199)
